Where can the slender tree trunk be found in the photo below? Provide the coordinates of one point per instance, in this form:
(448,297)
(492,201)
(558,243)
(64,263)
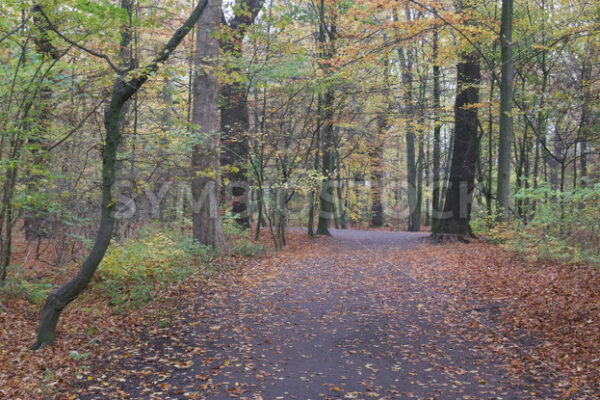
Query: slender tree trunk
(206,217)
(420,166)
(113,118)
(506,94)
(586,122)
(327,205)
(33,224)
(376,156)
(339,188)
(435,198)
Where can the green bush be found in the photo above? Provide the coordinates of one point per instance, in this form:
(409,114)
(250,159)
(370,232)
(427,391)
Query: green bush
(564,225)
(22,287)
(238,238)
(135,270)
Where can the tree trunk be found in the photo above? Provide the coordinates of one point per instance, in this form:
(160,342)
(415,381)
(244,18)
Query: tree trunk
(326,197)
(339,188)
(327,205)
(435,197)
(376,156)
(235,121)
(206,217)
(411,163)
(456,217)
(121,92)
(506,94)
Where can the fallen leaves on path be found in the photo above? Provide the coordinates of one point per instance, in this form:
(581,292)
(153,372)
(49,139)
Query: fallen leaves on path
(550,311)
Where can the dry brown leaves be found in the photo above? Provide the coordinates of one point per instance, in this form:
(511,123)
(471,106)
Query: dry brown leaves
(557,303)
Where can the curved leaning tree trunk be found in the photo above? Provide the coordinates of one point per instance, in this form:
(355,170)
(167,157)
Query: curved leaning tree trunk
(122,91)
(454,222)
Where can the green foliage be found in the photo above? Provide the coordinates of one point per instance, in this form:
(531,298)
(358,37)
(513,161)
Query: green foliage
(22,287)
(564,226)
(238,238)
(79,356)
(485,224)
(134,271)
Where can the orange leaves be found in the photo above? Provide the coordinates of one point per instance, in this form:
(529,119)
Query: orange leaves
(558,304)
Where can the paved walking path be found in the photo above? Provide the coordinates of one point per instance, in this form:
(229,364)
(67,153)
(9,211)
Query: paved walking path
(340,322)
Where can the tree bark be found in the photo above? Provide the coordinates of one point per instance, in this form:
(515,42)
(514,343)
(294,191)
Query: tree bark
(327,205)
(235,121)
(435,197)
(206,218)
(326,197)
(376,156)
(506,122)
(456,217)
(121,92)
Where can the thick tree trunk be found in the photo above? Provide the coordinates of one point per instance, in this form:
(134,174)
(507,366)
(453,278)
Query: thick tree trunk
(121,92)
(235,121)
(411,163)
(235,147)
(206,218)
(455,220)
(377,185)
(506,122)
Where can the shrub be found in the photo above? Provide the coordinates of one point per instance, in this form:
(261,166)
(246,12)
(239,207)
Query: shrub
(238,238)
(135,270)
(564,225)
(33,291)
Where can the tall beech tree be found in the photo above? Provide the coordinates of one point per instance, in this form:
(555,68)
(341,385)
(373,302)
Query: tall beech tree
(123,89)
(235,122)
(206,218)
(326,44)
(376,149)
(506,119)
(437,128)
(454,222)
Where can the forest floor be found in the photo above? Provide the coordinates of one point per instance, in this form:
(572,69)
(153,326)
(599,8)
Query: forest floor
(362,315)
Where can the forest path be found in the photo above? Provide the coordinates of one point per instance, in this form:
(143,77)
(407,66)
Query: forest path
(337,322)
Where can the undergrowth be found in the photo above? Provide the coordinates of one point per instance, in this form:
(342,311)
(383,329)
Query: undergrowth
(554,226)
(23,286)
(134,271)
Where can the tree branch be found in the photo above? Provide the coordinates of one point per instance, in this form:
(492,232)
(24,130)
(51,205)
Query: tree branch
(38,8)
(10,33)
